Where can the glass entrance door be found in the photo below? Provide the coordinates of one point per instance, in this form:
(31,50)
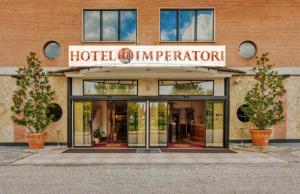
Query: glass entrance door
(136,123)
(158,124)
(214,124)
(82,124)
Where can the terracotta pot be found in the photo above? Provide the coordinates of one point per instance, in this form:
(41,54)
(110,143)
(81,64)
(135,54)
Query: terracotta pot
(97,140)
(36,140)
(260,137)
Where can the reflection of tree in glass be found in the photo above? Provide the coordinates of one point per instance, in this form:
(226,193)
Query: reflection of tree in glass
(114,88)
(162,116)
(133,114)
(187,88)
(86,117)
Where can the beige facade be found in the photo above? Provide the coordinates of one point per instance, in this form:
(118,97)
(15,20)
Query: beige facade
(291,124)
(9,132)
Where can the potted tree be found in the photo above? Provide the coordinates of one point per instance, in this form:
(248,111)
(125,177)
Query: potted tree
(30,101)
(97,135)
(264,107)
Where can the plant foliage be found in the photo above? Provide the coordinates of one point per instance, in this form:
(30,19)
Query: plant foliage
(32,97)
(264,105)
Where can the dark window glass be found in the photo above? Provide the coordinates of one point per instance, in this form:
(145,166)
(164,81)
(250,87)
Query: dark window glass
(92,25)
(186,87)
(110,87)
(187,25)
(128,25)
(110,25)
(168,25)
(54,111)
(241,114)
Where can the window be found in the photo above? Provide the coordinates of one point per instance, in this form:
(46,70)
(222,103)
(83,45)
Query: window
(167,87)
(52,50)
(187,25)
(110,87)
(247,49)
(109,25)
(54,110)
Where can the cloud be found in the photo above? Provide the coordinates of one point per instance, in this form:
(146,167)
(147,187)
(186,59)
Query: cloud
(128,15)
(92,25)
(204,28)
(168,34)
(187,32)
(130,36)
(110,25)
(110,33)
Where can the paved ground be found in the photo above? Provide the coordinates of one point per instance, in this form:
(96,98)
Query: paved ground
(10,154)
(251,170)
(55,157)
(159,179)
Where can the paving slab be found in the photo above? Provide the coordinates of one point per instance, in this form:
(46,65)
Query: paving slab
(50,156)
(10,154)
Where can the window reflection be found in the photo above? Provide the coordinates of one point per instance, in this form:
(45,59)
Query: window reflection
(214,124)
(110,25)
(110,87)
(91,25)
(205,25)
(168,25)
(109,30)
(128,25)
(186,25)
(186,87)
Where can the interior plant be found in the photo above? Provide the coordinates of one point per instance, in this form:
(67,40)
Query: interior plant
(98,134)
(263,105)
(31,99)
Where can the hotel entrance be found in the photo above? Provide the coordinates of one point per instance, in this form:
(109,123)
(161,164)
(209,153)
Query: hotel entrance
(148,123)
(148,113)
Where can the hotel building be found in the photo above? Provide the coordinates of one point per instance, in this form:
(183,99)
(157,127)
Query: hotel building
(162,103)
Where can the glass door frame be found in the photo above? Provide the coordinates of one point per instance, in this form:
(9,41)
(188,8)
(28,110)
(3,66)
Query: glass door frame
(73,124)
(146,118)
(149,129)
(147,100)
(225,116)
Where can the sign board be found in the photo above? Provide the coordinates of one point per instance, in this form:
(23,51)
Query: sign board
(143,56)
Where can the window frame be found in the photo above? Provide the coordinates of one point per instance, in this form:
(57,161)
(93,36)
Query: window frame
(120,80)
(195,30)
(101,25)
(169,95)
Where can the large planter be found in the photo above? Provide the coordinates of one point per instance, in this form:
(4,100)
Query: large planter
(36,140)
(260,137)
(97,140)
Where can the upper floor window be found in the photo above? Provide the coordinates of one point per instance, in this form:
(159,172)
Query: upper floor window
(187,25)
(109,25)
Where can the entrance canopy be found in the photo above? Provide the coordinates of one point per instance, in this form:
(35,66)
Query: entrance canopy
(149,72)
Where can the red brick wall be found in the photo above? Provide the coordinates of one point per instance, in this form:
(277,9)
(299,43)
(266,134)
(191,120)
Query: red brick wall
(273,25)
(19,133)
